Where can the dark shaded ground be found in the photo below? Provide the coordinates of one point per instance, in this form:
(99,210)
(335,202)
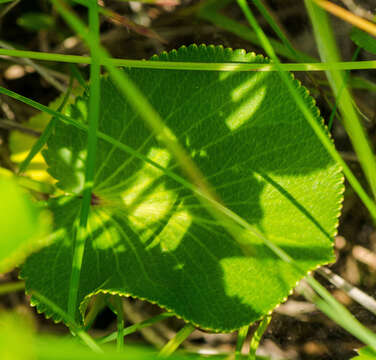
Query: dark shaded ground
(297,331)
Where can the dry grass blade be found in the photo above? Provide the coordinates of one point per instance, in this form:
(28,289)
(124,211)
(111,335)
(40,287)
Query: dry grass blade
(346,15)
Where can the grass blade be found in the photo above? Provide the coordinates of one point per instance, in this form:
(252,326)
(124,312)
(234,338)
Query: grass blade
(175,342)
(256,338)
(329,52)
(94,101)
(197,66)
(42,140)
(242,335)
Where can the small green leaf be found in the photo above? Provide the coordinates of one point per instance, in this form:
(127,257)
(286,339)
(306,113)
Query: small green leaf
(363,40)
(21,225)
(150,238)
(36,21)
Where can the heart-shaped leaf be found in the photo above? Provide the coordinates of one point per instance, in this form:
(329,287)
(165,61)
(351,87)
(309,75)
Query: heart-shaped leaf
(150,238)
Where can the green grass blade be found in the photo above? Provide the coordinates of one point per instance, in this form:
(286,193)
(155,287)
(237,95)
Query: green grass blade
(77,75)
(271,21)
(345,82)
(256,338)
(94,101)
(329,52)
(120,323)
(175,342)
(136,327)
(242,335)
(197,66)
(42,140)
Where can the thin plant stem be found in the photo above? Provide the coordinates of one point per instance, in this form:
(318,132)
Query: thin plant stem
(175,342)
(197,66)
(8,8)
(120,323)
(136,327)
(242,335)
(10,287)
(265,13)
(77,75)
(93,114)
(256,338)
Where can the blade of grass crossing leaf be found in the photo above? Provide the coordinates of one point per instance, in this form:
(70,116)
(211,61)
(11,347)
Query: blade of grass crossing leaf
(197,66)
(321,134)
(242,335)
(329,52)
(42,140)
(94,101)
(175,342)
(256,338)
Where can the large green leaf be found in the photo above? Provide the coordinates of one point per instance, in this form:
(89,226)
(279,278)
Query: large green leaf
(150,238)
